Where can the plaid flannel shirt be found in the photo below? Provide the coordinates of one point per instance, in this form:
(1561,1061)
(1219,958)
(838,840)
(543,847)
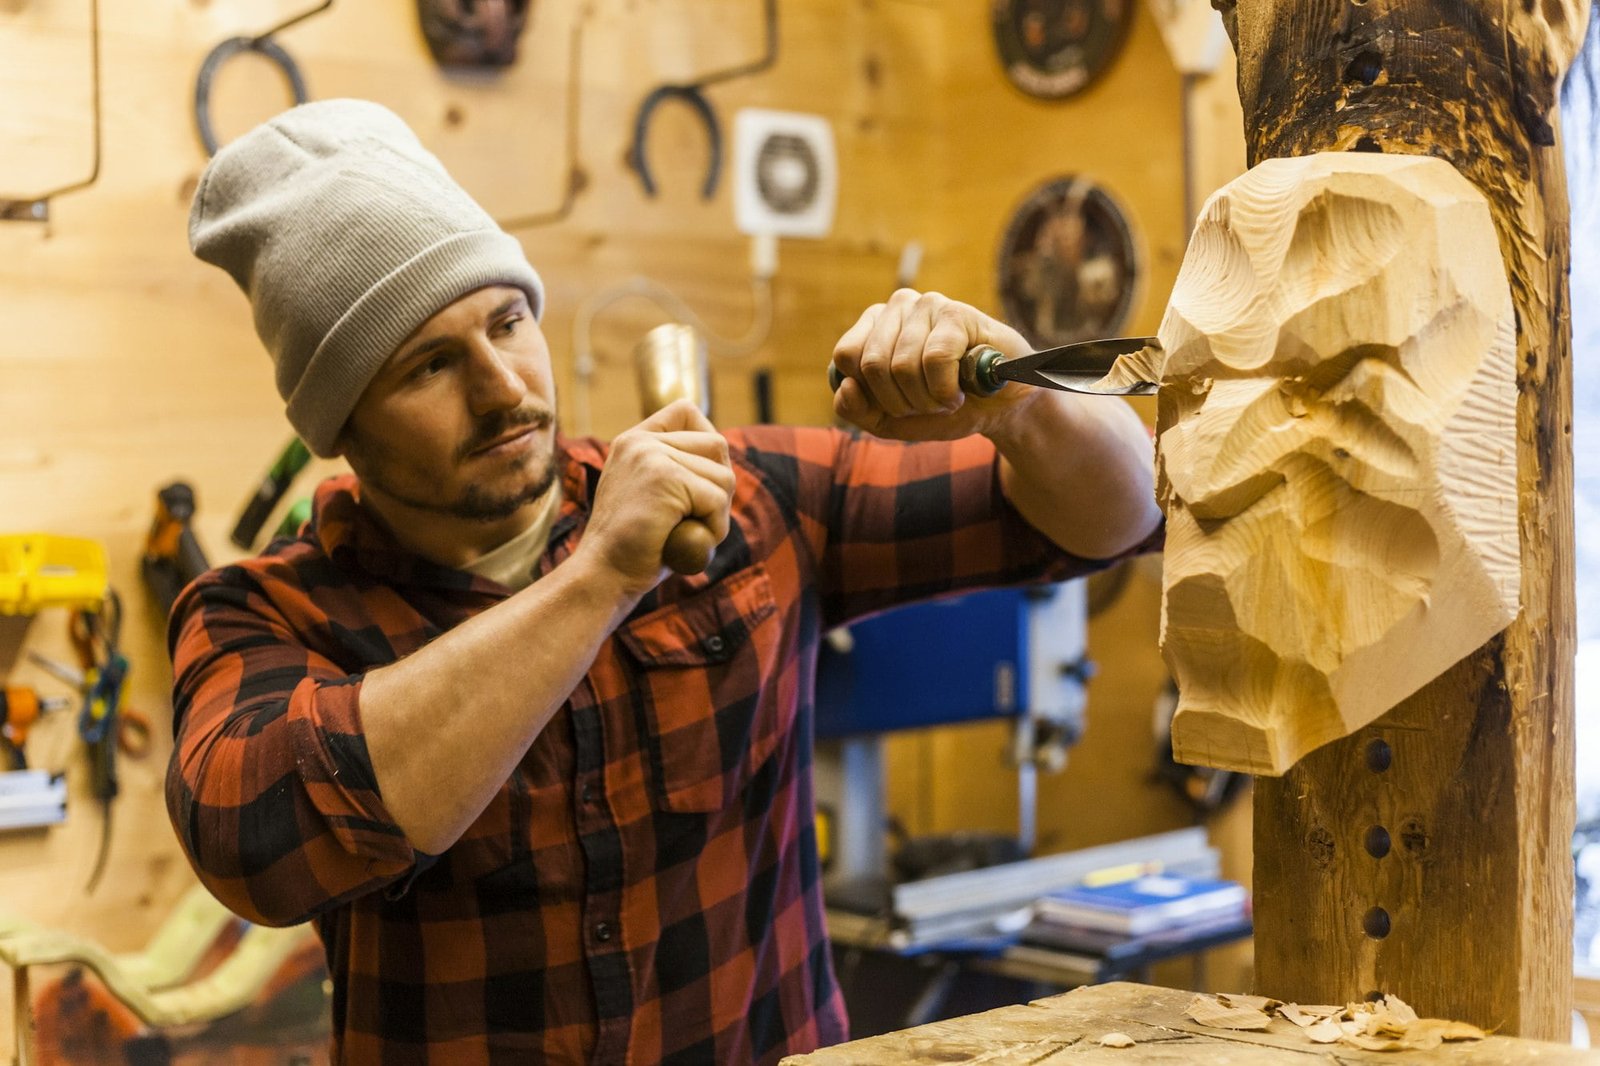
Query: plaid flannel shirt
(645,888)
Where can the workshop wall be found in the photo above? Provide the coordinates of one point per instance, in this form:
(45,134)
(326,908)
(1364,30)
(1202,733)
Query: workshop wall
(127,363)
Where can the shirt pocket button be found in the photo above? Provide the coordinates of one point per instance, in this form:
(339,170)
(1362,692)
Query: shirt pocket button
(714,644)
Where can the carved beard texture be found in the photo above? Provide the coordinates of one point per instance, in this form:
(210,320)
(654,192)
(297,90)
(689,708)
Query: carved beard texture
(1336,451)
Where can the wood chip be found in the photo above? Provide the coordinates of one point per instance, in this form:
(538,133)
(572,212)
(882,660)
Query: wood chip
(1326,1031)
(1299,1017)
(1117,1040)
(1400,1009)
(1211,1011)
(1239,999)
(1389,1024)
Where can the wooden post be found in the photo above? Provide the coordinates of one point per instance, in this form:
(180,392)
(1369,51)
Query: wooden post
(1429,854)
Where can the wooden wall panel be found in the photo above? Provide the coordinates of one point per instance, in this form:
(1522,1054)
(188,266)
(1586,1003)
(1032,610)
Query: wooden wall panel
(1125,133)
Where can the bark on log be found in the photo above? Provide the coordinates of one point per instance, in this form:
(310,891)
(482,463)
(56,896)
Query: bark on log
(1430,853)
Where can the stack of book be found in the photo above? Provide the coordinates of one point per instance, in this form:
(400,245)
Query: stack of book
(1138,907)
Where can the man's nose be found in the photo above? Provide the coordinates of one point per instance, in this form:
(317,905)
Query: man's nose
(494,383)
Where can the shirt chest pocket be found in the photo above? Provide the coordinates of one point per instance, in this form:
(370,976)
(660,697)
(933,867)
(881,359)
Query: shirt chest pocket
(713,711)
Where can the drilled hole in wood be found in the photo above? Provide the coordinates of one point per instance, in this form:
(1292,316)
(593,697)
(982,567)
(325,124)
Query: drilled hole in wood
(1376,923)
(1378,842)
(1364,68)
(1379,756)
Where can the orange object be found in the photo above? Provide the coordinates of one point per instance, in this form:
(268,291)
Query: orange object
(77,1021)
(20,708)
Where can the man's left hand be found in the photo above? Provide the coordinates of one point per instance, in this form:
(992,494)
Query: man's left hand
(901,365)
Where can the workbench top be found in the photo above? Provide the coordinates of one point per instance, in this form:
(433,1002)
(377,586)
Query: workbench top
(1068,1028)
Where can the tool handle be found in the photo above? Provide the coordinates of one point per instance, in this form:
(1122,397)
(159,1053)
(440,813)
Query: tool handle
(976,372)
(689,547)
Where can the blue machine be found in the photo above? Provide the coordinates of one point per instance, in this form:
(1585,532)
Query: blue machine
(958,659)
(1015,654)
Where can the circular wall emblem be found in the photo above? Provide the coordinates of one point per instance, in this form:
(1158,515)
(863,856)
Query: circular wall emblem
(1067,265)
(1053,48)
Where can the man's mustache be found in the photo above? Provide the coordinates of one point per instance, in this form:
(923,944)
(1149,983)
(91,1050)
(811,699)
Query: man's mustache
(492,427)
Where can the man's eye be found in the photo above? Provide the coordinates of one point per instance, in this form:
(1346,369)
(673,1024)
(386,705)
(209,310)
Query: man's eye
(433,366)
(509,325)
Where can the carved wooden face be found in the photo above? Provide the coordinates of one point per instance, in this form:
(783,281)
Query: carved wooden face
(1336,451)
(473,33)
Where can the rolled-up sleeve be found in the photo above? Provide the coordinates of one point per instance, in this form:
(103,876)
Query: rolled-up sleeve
(270,787)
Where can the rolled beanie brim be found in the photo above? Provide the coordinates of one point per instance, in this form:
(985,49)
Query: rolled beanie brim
(367,335)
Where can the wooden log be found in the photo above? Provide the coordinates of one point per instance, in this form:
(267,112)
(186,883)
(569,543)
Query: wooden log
(1429,854)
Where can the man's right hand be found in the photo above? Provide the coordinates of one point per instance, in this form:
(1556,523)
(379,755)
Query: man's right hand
(672,466)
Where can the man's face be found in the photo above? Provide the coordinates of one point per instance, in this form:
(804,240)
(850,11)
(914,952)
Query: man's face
(1336,453)
(461,420)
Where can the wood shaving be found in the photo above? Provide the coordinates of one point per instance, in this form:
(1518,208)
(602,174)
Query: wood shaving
(1326,1031)
(1117,1040)
(1400,1009)
(1237,999)
(1213,1012)
(1387,1024)
(1299,1017)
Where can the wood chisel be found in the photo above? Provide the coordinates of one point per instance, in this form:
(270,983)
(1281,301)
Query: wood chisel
(1082,367)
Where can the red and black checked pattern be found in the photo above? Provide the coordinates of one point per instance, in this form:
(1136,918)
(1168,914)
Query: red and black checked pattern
(645,888)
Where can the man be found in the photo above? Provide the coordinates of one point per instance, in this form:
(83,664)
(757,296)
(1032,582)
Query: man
(543,804)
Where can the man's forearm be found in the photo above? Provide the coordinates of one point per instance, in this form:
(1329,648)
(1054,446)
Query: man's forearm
(446,725)
(1081,470)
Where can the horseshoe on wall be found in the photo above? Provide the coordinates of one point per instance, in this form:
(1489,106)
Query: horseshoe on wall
(693,94)
(261,44)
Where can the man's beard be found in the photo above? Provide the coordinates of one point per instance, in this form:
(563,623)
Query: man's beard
(475,504)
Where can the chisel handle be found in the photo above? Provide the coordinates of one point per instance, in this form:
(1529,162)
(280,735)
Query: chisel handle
(976,372)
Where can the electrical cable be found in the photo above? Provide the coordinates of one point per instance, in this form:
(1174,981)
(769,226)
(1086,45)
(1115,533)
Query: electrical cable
(640,287)
(576,179)
(35,208)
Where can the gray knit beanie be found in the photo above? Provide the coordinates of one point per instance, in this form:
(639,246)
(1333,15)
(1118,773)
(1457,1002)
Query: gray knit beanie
(346,234)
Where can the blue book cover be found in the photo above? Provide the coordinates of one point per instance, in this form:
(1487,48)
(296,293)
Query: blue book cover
(1142,904)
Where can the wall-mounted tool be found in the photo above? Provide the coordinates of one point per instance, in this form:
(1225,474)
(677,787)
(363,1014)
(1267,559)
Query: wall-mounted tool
(20,708)
(172,554)
(262,44)
(285,468)
(36,207)
(42,570)
(105,725)
(473,34)
(693,94)
(31,799)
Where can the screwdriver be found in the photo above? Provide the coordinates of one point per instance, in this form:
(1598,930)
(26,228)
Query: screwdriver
(20,708)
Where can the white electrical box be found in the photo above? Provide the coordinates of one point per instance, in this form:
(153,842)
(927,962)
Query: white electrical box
(785,173)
